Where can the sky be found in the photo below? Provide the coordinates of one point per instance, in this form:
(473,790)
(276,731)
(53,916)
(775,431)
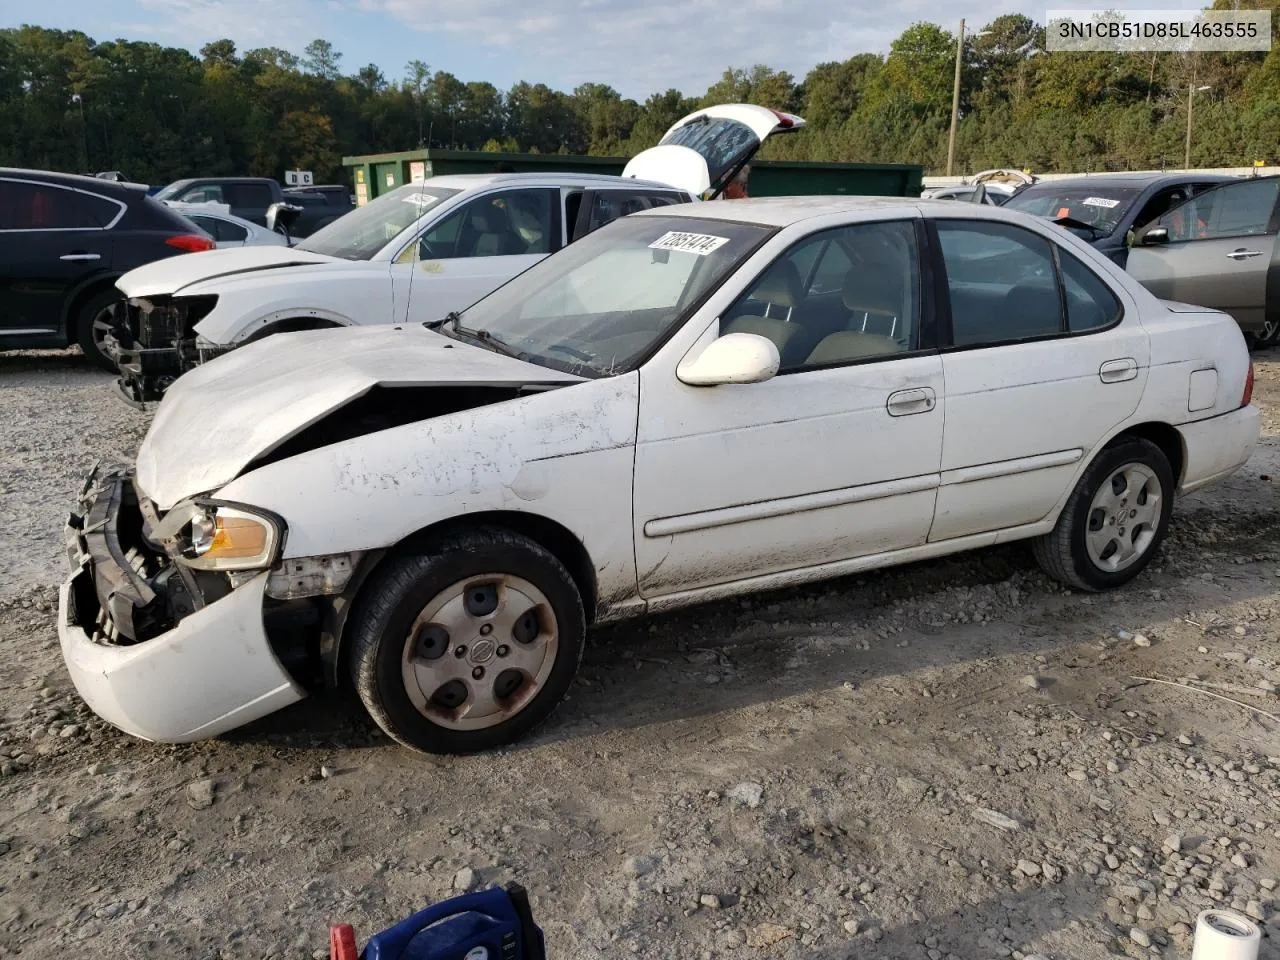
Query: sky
(636,46)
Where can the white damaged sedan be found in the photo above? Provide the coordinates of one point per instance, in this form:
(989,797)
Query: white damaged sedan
(690,403)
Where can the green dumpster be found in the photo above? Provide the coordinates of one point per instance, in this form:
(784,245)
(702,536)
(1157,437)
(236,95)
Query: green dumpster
(378,173)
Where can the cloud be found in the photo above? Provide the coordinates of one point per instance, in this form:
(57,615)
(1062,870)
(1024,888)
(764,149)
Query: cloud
(191,23)
(643,48)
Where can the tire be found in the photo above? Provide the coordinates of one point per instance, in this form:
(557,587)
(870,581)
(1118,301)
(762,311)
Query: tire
(90,327)
(424,608)
(1069,554)
(1270,334)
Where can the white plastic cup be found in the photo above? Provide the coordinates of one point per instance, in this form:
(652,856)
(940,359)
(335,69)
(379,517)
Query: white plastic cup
(1225,935)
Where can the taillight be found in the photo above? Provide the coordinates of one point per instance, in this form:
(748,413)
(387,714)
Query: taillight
(1248,387)
(784,119)
(190,242)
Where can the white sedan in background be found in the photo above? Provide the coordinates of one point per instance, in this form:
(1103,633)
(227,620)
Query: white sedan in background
(415,253)
(226,229)
(690,403)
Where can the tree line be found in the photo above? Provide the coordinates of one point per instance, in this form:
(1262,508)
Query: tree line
(68,102)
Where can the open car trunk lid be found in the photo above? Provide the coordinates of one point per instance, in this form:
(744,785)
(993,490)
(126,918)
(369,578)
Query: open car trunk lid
(703,151)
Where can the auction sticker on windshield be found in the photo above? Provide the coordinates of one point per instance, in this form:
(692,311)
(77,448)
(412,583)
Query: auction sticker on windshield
(699,243)
(1100,202)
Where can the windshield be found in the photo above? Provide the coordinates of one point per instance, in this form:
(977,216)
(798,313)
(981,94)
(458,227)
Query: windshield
(364,231)
(1101,205)
(171,190)
(601,304)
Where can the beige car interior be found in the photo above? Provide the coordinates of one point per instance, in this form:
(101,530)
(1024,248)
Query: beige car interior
(873,315)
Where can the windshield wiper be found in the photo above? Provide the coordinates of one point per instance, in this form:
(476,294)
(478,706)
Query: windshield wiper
(1079,225)
(451,317)
(482,337)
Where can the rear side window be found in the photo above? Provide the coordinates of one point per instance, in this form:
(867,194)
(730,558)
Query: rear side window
(1090,303)
(256,195)
(221,230)
(31,206)
(609,205)
(1002,283)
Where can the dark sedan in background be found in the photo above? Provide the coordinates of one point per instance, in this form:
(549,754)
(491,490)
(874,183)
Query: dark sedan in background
(64,241)
(1104,208)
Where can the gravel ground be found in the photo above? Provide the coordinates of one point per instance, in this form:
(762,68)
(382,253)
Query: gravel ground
(946,760)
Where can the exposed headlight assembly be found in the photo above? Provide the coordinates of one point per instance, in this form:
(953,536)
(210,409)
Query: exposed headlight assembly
(208,535)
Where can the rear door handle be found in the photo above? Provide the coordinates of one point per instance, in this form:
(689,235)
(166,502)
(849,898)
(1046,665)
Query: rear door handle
(81,256)
(906,402)
(1118,371)
(1243,254)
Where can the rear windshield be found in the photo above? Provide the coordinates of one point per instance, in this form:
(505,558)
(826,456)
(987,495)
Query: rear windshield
(721,141)
(1099,204)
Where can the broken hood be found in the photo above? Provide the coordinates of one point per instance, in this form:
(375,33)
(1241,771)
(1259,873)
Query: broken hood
(703,150)
(170,275)
(217,419)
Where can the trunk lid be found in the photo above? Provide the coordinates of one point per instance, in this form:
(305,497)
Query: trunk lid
(702,152)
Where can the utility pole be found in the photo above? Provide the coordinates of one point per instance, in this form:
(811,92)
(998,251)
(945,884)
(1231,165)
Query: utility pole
(955,101)
(1192,90)
(1191,96)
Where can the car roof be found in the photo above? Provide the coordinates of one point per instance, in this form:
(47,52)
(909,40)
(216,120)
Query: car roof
(1133,180)
(784,211)
(472,181)
(108,188)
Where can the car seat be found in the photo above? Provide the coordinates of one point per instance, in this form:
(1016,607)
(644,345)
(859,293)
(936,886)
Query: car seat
(779,289)
(488,233)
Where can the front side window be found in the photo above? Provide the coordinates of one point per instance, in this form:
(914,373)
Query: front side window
(506,224)
(206,193)
(599,306)
(1235,210)
(1001,282)
(842,295)
(360,234)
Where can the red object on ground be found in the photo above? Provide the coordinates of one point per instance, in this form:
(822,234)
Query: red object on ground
(342,942)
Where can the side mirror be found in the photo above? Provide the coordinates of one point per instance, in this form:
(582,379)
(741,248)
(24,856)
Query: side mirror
(1156,235)
(732,358)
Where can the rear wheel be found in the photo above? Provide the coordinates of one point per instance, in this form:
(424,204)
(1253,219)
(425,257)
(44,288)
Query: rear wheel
(93,323)
(1270,333)
(469,644)
(1114,521)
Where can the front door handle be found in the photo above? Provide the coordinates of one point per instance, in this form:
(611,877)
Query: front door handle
(1243,254)
(1118,371)
(906,402)
(81,256)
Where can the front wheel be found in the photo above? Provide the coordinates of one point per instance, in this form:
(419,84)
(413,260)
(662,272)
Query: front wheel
(93,323)
(1114,521)
(469,644)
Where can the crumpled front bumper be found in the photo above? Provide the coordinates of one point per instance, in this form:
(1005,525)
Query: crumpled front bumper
(149,353)
(212,670)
